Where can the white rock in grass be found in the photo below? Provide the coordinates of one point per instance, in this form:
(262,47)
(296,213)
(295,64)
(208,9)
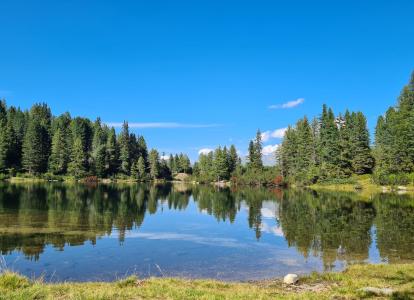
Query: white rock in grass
(290,279)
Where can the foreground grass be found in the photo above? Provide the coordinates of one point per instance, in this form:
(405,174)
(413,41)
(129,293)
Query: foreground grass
(343,285)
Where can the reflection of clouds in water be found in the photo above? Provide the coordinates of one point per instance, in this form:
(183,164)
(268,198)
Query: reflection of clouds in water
(172,236)
(267,213)
(276,230)
(290,262)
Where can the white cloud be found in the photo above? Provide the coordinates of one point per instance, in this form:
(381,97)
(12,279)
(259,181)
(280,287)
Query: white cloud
(161,125)
(277,134)
(289,104)
(165,157)
(269,149)
(205,151)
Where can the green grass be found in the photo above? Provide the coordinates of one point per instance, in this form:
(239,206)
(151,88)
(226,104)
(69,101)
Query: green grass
(343,285)
(362,184)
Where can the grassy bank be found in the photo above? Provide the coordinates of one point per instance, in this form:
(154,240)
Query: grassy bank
(362,184)
(345,285)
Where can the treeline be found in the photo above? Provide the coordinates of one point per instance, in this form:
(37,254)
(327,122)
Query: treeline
(225,164)
(337,147)
(37,143)
(394,140)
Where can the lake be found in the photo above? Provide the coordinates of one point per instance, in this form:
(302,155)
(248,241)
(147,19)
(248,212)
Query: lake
(103,232)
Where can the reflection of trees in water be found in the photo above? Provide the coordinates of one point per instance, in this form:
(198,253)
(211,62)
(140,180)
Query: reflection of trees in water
(331,225)
(395,227)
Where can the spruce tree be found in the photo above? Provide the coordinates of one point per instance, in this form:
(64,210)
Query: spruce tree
(362,160)
(59,157)
(258,163)
(124,149)
(221,167)
(77,165)
(33,156)
(233,159)
(37,141)
(4,142)
(141,169)
(111,155)
(98,149)
(154,163)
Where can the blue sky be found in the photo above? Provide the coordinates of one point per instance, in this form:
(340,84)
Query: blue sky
(198,74)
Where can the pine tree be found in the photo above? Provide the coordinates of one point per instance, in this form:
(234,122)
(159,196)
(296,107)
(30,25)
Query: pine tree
(329,144)
(82,128)
(37,141)
(124,150)
(171,164)
(362,160)
(233,159)
(59,157)
(4,142)
(304,152)
(33,156)
(154,162)
(111,155)
(288,153)
(221,167)
(77,165)
(347,147)
(141,169)
(98,149)
(143,150)
(258,163)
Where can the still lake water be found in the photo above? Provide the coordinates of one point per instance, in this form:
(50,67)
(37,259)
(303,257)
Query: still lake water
(81,232)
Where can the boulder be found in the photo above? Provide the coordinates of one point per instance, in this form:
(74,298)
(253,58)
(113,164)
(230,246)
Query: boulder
(291,279)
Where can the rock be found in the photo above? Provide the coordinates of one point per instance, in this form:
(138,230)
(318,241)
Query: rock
(377,291)
(290,279)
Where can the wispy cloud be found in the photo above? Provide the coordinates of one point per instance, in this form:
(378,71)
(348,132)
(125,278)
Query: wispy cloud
(275,134)
(162,125)
(289,104)
(269,149)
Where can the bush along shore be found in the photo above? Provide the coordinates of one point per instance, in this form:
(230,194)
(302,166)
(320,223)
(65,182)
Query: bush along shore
(358,281)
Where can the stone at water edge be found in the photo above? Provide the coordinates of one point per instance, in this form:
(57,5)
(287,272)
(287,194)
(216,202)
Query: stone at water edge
(290,279)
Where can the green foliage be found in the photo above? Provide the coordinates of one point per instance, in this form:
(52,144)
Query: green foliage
(138,170)
(255,152)
(77,165)
(59,157)
(329,148)
(154,163)
(99,149)
(124,149)
(394,140)
(111,153)
(36,144)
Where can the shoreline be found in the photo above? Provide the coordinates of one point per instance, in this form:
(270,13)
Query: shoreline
(397,279)
(361,186)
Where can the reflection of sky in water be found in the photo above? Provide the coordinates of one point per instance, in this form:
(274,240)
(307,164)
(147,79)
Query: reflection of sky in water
(177,243)
(189,243)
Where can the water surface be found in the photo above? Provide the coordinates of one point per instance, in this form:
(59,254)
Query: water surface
(81,232)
